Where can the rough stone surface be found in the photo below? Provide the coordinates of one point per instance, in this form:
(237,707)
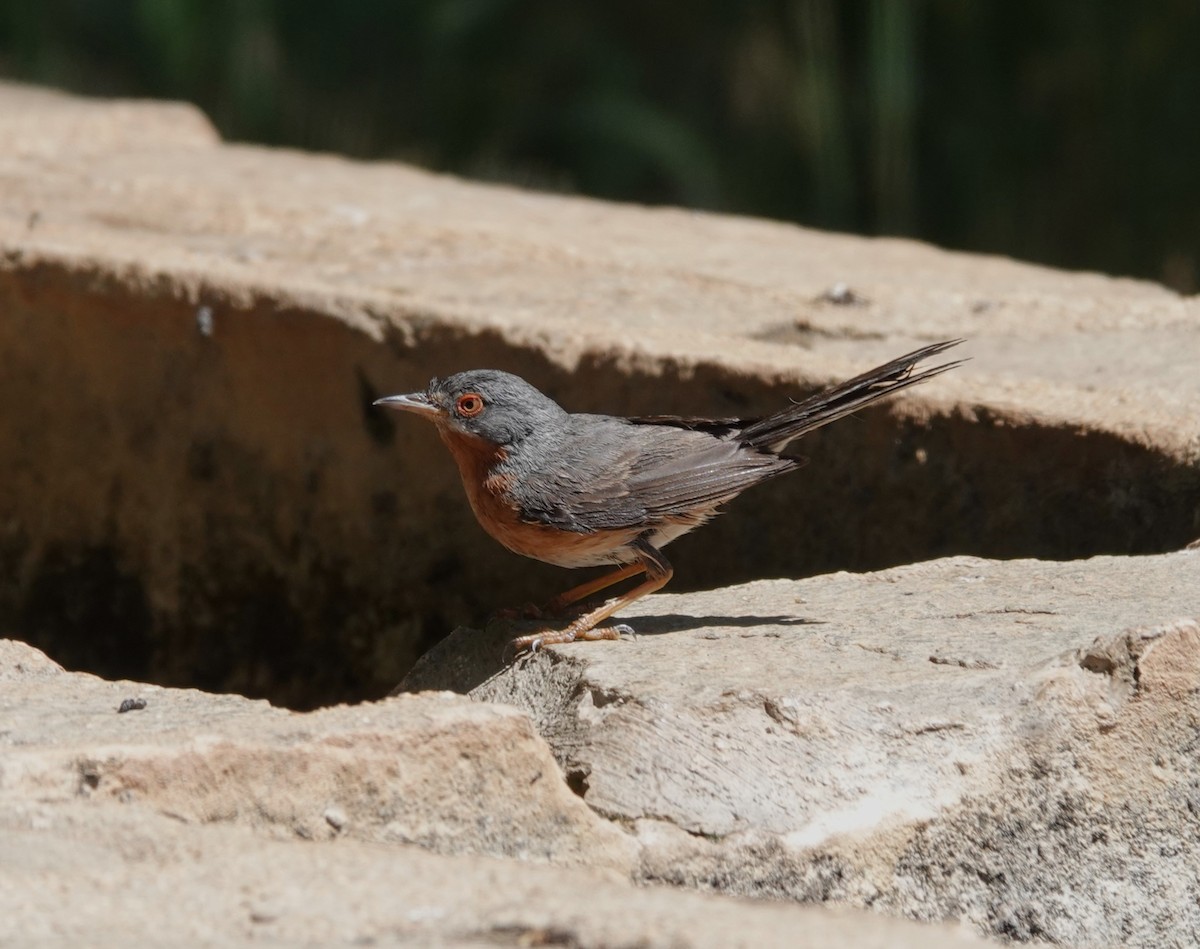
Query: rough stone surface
(130,878)
(214,820)
(1010,743)
(196,490)
(436,770)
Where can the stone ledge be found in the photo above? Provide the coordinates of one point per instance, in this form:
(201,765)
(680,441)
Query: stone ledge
(111,877)
(218,820)
(388,248)
(197,491)
(41,124)
(1009,743)
(451,775)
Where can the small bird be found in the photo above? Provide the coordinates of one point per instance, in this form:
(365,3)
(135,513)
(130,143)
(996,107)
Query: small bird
(582,490)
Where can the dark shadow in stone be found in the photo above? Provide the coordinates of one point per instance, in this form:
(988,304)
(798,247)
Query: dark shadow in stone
(677,623)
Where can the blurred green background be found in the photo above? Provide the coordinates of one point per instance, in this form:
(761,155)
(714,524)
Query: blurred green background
(1065,132)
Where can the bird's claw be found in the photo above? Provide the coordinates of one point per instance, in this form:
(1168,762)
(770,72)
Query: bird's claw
(521,647)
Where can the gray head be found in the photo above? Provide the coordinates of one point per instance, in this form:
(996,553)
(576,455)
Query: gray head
(493,405)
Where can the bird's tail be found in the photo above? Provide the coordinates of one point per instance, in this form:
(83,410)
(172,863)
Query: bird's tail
(776,431)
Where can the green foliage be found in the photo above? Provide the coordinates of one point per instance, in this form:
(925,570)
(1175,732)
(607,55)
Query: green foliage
(1061,132)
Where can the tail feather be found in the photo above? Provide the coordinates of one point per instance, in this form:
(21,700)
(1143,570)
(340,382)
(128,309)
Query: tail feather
(776,431)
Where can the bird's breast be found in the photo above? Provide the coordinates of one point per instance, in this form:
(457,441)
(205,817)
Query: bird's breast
(480,465)
(491,491)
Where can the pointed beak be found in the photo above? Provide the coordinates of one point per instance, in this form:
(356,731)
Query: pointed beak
(413,402)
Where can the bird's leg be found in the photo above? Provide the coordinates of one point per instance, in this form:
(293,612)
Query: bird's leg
(658,572)
(558,605)
(595,585)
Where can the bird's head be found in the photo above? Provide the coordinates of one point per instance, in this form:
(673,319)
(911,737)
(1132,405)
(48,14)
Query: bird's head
(496,406)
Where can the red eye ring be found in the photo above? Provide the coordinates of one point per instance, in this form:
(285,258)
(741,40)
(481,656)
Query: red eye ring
(469,405)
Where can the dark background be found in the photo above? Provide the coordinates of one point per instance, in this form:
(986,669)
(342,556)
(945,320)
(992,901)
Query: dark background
(1066,132)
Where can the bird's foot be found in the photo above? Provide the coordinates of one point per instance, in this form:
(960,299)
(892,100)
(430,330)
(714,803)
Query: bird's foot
(529,645)
(534,641)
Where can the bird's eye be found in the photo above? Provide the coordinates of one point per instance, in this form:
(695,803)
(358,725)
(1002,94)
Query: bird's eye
(469,405)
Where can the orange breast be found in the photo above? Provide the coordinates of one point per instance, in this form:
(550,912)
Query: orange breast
(498,514)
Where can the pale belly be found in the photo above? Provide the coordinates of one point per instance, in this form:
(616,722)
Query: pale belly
(568,549)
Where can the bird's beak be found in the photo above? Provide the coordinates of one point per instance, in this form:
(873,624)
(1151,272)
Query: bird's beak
(413,402)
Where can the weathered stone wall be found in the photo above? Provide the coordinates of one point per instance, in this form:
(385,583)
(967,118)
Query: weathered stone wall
(196,490)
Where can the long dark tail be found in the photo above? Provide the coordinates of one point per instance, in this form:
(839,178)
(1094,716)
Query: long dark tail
(774,433)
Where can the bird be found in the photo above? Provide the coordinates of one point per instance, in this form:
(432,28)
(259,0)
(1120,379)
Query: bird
(583,490)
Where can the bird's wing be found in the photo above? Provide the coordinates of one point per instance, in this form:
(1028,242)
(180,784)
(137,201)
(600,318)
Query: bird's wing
(719,427)
(641,475)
